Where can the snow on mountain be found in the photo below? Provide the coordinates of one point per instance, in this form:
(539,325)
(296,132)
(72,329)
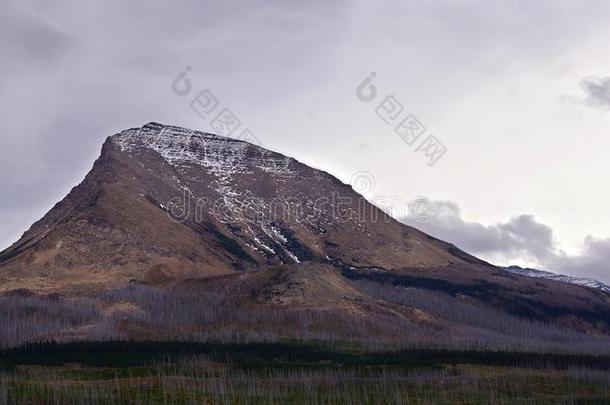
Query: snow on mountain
(224,158)
(587,282)
(220,155)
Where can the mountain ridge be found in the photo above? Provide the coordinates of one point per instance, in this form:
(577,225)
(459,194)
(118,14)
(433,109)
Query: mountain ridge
(584,281)
(170,209)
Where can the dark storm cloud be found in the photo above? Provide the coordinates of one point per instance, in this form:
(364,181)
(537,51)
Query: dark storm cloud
(521,238)
(597,91)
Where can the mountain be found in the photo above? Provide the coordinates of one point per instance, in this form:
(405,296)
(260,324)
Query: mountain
(164,199)
(587,282)
(176,232)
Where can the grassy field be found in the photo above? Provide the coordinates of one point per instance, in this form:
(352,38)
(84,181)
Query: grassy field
(291,372)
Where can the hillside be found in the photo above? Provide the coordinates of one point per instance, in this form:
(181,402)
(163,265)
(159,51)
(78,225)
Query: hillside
(180,219)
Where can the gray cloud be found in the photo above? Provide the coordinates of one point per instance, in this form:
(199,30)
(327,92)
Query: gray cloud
(594,261)
(75,73)
(597,90)
(26,35)
(520,240)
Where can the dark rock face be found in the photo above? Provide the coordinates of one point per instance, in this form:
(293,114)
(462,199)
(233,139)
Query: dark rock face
(166,206)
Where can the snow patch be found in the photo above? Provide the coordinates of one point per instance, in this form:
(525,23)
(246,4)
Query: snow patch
(587,282)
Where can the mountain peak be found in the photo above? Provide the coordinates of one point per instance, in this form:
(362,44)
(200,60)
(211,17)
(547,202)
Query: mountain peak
(155,131)
(153,124)
(183,147)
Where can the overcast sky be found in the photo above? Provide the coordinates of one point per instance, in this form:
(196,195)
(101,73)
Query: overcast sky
(517,92)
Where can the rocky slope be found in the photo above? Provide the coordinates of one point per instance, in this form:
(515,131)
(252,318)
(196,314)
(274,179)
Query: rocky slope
(196,213)
(164,201)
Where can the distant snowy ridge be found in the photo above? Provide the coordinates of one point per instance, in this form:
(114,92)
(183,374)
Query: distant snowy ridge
(587,282)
